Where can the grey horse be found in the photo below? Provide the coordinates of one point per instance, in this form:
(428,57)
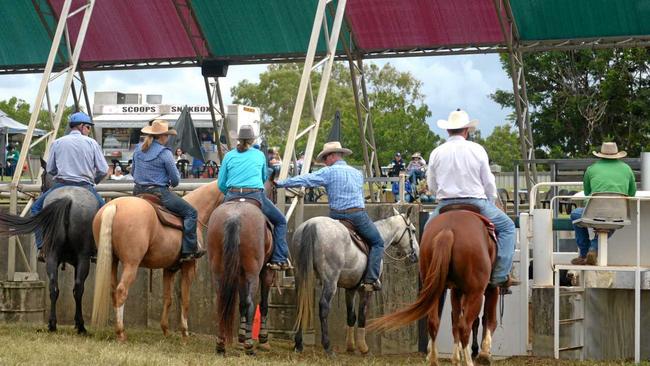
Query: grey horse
(66,222)
(322,248)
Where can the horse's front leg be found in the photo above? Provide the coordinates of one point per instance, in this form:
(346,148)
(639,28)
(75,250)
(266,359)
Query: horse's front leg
(329,288)
(53,274)
(188,270)
(489,325)
(266,277)
(364,298)
(81,273)
(351,320)
(246,313)
(168,277)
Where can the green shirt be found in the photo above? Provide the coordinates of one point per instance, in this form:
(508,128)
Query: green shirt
(608,175)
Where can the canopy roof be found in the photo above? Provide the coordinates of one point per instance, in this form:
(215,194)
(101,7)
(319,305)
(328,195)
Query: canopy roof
(14,126)
(167,33)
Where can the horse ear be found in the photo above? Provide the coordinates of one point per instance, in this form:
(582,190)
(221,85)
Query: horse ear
(408,212)
(395,211)
(43,164)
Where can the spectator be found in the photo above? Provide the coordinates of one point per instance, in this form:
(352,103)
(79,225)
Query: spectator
(179,154)
(12,159)
(274,160)
(396,165)
(416,169)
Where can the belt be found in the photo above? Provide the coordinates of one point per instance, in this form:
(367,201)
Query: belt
(461,198)
(349,210)
(244,190)
(71,183)
(151,186)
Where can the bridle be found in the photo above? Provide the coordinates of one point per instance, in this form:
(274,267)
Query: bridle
(411,234)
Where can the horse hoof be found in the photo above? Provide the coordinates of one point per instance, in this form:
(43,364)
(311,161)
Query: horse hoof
(264,346)
(483,359)
(330,354)
(121,337)
(249,351)
(350,350)
(220,351)
(51,328)
(82,331)
(298,349)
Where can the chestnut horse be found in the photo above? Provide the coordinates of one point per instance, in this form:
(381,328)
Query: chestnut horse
(457,253)
(239,246)
(128,229)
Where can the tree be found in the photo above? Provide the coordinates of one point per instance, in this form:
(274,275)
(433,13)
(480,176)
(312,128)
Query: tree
(397,107)
(502,147)
(578,99)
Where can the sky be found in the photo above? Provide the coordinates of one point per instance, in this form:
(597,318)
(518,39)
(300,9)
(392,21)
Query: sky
(448,82)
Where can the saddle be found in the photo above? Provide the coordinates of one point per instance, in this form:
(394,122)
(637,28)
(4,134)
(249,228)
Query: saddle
(477,212)
(356,238)
(166,217)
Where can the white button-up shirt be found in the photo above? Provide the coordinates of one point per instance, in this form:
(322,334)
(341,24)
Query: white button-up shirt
(460,169)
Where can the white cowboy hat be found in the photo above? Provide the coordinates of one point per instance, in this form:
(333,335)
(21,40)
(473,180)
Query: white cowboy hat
(158,127)
(332,147)
(609,150)
(457,119)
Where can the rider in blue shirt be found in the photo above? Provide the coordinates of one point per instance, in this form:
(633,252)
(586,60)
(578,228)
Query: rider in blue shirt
(75,160)
(344,186)
(242,174)
(154,171)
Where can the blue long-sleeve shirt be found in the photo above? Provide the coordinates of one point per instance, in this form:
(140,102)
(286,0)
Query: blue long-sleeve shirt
(154,167)
(343,183)
(243,170)
(77,158)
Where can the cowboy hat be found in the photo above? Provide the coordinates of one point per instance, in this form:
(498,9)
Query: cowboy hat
(457,119)
(609,150)
(332,147)
(158,127)
(416,155)
(246,132)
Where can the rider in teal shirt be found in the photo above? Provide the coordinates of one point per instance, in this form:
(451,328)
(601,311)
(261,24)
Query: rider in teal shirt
(248,167)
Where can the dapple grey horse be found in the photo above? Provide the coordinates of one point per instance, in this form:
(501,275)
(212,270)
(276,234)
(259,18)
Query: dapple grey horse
(322,248)
(66,223)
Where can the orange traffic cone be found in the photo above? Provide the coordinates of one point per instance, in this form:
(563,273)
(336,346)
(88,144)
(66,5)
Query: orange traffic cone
(257,323)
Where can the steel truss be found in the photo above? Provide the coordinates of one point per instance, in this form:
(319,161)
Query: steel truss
(85,11)
(331,38)
(212,86)
(510,33)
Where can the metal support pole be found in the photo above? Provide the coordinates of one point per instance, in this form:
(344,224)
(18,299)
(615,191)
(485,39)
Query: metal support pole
(510,33)
(332,36)
(86,10)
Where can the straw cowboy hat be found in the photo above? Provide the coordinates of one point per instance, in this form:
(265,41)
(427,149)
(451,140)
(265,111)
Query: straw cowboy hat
(416,155)
(246,132)
(457,119)
(332,147)
(609,150)
(158,127)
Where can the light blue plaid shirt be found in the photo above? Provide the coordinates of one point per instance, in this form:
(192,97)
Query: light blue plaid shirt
(155,167)
(343,183)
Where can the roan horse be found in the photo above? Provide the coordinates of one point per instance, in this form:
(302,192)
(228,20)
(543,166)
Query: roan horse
(322,247)
(65,221)
(239,246)
(127,229)
(457,252)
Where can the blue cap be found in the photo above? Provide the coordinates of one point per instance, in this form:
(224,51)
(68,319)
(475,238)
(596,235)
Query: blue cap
(78,118)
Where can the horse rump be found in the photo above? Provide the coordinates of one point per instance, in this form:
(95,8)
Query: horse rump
(434,282)
(53,220)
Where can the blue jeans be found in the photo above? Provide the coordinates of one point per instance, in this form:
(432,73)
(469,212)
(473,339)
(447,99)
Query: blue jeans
(505,234)
(368,231)
(179,206)
(582,234)
(40,202)
(280,249)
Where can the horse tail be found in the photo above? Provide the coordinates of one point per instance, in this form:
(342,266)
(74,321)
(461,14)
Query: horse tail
(229,282)
(103,270)
(53,220)
(304,276)
(433,286)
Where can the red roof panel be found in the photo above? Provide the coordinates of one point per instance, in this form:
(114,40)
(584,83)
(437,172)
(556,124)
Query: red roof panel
(125,30)
(404,24)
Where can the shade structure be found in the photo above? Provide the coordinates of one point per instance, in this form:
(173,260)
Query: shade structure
(12,126)
(168,33)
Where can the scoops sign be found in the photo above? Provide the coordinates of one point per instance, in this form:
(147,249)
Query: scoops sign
(151,109)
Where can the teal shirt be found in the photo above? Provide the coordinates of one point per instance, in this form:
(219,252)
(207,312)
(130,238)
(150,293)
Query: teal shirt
(608,175)
(242,170)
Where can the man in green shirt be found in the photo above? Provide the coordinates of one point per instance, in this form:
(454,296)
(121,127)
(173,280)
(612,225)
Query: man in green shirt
(609,174)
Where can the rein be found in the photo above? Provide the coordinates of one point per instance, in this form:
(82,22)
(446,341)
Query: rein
(410,234)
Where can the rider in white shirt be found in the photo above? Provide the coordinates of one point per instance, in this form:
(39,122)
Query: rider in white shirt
(459,172)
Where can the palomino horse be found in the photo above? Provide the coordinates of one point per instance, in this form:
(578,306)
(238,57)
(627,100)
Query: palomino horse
(323,245)
(64,221)
(457,252)
(128,230)
(239,246)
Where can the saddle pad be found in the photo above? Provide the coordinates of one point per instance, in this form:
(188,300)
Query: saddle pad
(475,210)
(356,239)
(166,217)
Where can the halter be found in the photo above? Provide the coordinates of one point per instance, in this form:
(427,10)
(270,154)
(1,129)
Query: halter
(411,234)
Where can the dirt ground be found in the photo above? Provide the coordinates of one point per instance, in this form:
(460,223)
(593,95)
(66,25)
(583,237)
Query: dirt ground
(31,345)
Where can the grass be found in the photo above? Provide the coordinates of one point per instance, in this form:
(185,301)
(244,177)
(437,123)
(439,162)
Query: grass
(31,345)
